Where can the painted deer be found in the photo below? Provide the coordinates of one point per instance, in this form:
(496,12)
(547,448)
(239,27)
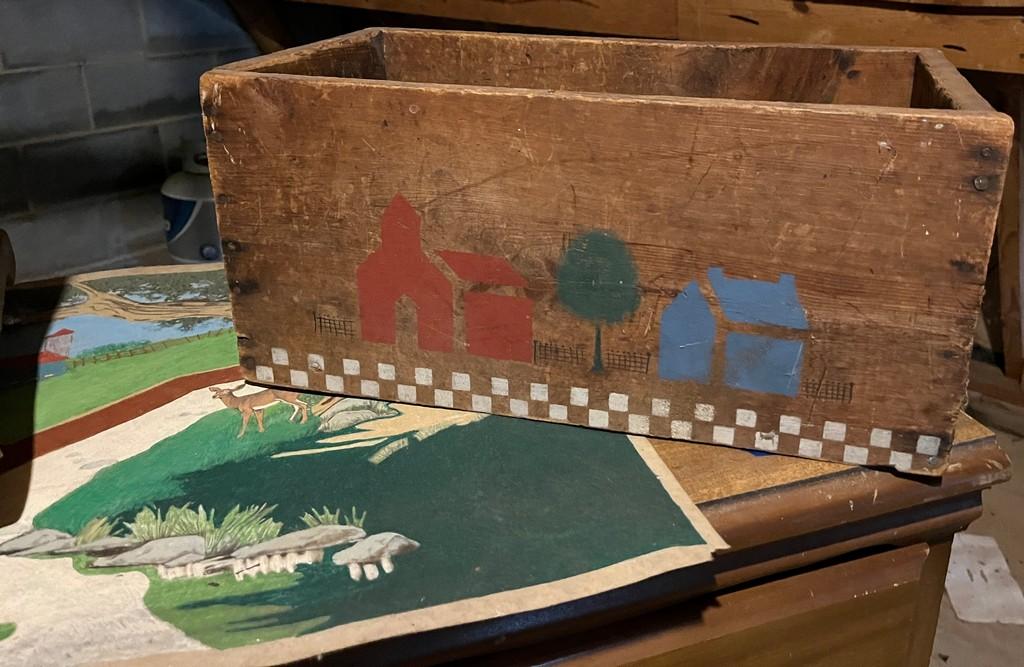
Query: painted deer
(255,404)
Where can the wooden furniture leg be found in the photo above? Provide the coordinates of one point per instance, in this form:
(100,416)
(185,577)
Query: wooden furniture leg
(929,599)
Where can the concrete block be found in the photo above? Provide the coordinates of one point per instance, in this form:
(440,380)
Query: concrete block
(52,32)
(191,25)
(175,135)
(143,89)
(87,236)
(12,190)
(41,103)
(60,171)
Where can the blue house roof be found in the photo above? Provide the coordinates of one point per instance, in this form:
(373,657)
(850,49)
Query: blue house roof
(759,301)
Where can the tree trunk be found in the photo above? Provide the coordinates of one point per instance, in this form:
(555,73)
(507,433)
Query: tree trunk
(598,363)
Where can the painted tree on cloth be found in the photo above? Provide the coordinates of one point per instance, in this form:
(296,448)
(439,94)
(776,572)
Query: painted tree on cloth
(597,281)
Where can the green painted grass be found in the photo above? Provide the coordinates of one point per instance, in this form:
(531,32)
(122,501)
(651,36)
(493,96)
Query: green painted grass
(160,475)
(92,386)
(6,630)
(198,607)
(498,504)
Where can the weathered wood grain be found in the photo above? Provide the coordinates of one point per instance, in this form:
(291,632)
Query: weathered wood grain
(883,214)
(983,40)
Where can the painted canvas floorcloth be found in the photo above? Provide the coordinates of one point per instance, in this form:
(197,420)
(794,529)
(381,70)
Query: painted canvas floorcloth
(241,525)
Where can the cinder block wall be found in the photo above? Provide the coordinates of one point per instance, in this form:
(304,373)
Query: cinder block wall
(96,98)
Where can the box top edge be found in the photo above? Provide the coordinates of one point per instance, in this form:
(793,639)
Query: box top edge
(982,114)
(368,34)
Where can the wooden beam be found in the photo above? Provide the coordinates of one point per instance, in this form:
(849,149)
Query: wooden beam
(650,18)
(989,40)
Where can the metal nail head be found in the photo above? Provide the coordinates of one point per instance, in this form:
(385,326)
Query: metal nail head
(981,183)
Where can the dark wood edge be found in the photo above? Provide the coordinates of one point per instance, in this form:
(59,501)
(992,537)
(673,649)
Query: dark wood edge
(694,587)
(949,83)
(852,495)
(992,121)
(656,636)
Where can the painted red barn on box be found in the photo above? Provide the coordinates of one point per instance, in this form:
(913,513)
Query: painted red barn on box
(499,326)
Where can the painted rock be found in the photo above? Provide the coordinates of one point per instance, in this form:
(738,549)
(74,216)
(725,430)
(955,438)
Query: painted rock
(157,552)
(102,547)
(319,537)
(362,558)
(35,539)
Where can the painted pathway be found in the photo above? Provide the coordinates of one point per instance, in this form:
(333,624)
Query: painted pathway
(66,618)
(59,473)
(55,607)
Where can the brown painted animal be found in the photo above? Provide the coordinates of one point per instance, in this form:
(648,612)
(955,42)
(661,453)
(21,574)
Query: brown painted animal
(255,404)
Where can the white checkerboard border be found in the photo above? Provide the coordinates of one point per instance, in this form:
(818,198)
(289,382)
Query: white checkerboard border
(658,417)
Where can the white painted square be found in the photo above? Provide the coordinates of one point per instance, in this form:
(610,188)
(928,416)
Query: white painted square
(746,418)
(299,378)
(538,391)
(443,398)
(881,437)
(334,383)
(424,376)
(279,355)
(927,445)
(579,396)
(855,455)
(682,429)
(407,393)
(598,419)
(660,407)
(834,431)
(723,435)
(704,412)
(369,388)
(618,402)
(767,441)
(499,386)
(559,412)
(790,425)
(350,366)
(481,403)
(386,371)
(519,407)
(811,448)
(264,373)
(639,424)
(460,381)
(901,460)
(316,362)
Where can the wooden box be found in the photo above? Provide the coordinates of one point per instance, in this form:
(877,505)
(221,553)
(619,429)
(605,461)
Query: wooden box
(770,247)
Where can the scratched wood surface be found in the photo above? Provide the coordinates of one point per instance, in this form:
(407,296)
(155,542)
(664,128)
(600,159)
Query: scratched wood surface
(583,230)
(985,37)
(975,34)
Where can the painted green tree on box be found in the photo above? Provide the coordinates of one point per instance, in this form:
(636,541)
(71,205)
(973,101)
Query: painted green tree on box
(597,281)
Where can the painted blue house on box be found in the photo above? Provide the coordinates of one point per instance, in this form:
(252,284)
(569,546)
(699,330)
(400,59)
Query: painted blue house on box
(768,361)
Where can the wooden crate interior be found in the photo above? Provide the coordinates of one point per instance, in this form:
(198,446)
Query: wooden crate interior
(880,77)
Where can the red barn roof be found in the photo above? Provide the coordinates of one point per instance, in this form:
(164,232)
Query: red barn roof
(485,269)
